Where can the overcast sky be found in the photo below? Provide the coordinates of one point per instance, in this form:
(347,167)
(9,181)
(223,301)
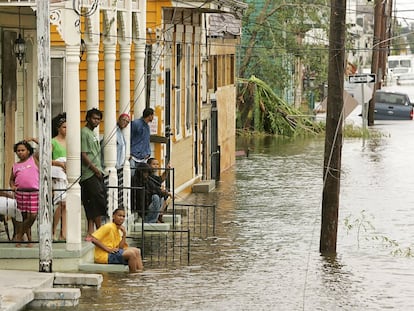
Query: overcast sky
(405,9)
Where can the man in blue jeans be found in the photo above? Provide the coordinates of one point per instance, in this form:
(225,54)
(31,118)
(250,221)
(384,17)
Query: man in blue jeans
(140,139)
(146,197)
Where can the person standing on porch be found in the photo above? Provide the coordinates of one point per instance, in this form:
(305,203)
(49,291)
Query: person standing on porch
(123,122)
(59,179)
(93,190)
(24,180)
(140,139)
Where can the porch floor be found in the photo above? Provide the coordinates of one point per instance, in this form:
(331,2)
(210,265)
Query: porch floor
(27,258)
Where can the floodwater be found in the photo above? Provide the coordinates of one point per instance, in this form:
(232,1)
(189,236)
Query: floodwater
(265,252)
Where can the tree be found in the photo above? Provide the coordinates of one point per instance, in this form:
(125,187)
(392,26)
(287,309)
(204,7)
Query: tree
(410,39)
(270,114)
(270,46)
(396,40)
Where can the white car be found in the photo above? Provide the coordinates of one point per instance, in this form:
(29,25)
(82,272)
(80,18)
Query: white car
(405,84)
(406,79)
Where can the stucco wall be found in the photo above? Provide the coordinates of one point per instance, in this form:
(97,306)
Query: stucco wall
(182,160)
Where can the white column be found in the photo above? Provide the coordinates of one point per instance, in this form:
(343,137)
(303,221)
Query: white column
(139,79)
(73,198)
(204,62)
(124,107)
(92,39)
(110,124)
(92,90)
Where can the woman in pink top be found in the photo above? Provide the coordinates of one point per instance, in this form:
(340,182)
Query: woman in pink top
(24,180)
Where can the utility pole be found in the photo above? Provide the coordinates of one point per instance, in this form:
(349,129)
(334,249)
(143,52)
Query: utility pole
(378,44)
(334,123)
(45,156)
(388,23)
(383,46)
(299,72)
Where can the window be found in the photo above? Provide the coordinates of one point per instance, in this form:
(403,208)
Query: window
(391,98)
(188,93)
(178,58)
(56,85)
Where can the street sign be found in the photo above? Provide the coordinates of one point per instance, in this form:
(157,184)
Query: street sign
(363,78)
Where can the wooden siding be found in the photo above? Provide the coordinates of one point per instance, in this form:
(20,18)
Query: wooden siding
(182,160)
(57,42)
(227,125)
(55,38)
(221,79)
(154,17)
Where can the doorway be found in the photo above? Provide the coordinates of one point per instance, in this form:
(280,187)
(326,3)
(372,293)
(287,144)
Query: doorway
(8,103)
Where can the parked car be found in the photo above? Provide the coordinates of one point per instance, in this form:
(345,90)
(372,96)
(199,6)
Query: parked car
(406,79)
(392,106)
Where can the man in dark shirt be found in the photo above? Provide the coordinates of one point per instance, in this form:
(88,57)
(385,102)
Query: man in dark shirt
(140,139)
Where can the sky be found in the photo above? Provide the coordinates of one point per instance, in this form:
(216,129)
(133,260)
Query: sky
(404,10)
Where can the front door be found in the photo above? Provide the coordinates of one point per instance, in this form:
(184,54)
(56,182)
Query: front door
(196,121)
(9,102)
(215,148)
(204,149)
(167,122)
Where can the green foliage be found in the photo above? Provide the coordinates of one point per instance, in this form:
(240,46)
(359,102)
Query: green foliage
(269,113)
(363,226)
(271,42)
(410,39)
(353,131)
(398,43)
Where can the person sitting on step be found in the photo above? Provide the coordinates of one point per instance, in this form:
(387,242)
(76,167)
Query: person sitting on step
(159,180)
(111,246)
(146,197)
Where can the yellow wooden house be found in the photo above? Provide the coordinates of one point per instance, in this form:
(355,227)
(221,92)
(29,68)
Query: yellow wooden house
(178,57)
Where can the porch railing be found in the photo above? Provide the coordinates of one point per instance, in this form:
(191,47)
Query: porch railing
(190,225)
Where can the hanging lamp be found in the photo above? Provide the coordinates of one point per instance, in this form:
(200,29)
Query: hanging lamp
(19,46)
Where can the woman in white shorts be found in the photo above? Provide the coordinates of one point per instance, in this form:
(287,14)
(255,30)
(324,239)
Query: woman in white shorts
(60,182)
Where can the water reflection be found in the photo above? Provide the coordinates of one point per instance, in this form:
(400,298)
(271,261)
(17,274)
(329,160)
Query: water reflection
(265,253)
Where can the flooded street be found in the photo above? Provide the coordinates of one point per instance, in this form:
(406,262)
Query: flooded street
(265,252)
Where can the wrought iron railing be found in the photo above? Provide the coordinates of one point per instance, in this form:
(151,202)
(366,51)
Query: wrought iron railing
(189,225)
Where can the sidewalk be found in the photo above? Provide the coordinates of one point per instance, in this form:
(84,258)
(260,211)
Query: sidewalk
(43,291)
(16,287)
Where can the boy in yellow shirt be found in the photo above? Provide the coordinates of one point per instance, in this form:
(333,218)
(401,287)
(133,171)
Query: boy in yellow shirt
(111,246)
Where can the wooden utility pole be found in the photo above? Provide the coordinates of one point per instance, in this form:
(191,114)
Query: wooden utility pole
(387,34)
(299,72)
(334,123)
(45,156)
(383,46)
(376,54)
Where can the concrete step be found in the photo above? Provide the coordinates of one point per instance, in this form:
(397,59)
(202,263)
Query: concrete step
(178,210)
(52,298)
(204,186)
(137,227)
(168,218)
(96,267)
(19,287)
(14,299)
(78,279)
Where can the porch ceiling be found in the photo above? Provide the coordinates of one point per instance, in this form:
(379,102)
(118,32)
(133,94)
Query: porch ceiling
(215,6)
(18,3)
